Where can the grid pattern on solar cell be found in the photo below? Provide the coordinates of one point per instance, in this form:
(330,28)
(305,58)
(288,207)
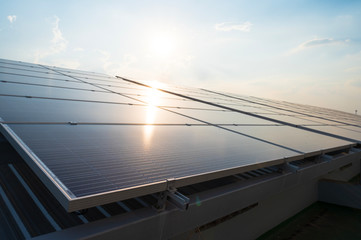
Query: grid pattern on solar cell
(99,134)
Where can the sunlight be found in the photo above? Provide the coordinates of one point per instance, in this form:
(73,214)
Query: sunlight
(148,128)
(162,45)
(147,135)
(153,100)
(151,114)
(152,96)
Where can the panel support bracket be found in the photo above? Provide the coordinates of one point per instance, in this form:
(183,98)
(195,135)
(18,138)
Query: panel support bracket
(355,150)
(288,167)
(326,157)
(172,196)
(291,167)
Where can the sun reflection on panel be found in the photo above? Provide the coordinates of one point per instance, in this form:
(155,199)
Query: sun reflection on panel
(153,100)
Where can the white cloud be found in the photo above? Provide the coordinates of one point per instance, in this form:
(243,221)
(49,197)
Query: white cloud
(12,18)
(78,49)
(320,42)
(129,59)
(317,42)
(229,26)
(353,69)
(58,43)
(113,66)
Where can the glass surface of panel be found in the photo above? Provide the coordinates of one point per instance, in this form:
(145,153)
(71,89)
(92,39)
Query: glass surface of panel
(78,72)
(301,140)
(24,77)
(12,76)
(352,128)
(141,91)
(341,131)
(45,110)
(265,105)
(290,119)
(13,64)
(249,108)
(95,159)
(96,79)
(223,117)
(58,82)
(346,120)
(35,73)
(178,102)
(110,82)
(22,68)
(19,63)
(159,98)
(246,106)
(317,120)
(50,92)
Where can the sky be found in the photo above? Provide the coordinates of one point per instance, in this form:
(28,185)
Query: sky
(305,52)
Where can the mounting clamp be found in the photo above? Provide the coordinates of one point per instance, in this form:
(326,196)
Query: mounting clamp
(173,196)
(287,167)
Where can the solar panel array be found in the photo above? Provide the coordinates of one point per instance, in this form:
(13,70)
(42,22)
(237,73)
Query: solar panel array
(94,139)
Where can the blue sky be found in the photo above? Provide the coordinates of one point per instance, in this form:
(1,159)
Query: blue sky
(299,51)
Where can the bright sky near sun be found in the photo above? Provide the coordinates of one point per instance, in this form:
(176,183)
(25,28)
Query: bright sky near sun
(299,51)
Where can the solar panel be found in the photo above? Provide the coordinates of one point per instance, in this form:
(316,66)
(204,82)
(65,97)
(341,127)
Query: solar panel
(94,139)
(341,131)
(223,117)
(52,92)
(58,82)
(303,141)
(50,110)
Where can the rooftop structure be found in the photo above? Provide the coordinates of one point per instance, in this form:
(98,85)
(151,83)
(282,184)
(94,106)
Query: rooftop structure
(93,156)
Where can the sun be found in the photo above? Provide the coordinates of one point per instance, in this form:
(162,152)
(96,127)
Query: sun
(162,45)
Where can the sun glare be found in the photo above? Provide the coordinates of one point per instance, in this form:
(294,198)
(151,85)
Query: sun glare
(162,45)
(153,100)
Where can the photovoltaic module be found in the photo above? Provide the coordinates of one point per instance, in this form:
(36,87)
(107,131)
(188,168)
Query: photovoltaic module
(95,139)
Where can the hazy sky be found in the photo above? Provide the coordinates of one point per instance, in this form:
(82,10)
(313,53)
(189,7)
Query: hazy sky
(299,51)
